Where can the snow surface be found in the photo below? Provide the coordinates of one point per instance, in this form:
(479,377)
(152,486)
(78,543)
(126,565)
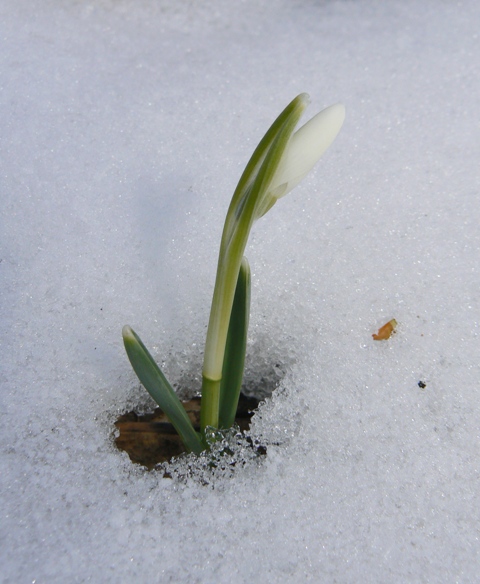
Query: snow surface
(124,128)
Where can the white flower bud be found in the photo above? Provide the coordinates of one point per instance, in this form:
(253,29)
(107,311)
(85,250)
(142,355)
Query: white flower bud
(305,148)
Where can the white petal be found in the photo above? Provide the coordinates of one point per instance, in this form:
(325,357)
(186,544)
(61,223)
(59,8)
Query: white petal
(305,148)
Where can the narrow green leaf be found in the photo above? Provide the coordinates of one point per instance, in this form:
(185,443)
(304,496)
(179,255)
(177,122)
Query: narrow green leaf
(161,391)
(234,359)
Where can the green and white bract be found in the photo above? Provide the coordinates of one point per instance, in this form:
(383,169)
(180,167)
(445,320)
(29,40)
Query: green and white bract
(280,161)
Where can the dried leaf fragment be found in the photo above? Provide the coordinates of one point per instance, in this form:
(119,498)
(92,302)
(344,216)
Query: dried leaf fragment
(385,331)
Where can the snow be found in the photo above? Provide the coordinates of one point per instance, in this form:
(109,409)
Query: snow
(124,128)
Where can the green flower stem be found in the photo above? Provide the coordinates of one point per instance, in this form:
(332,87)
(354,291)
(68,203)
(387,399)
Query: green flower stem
(210,409)
(250,196)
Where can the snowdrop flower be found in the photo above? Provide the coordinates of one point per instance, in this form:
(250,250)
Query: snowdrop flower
(303,151)
(281,160)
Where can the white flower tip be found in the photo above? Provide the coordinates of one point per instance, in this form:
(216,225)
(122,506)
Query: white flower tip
(337,112)
(319,132)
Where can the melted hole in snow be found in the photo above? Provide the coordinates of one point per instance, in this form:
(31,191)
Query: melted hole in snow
(151,441)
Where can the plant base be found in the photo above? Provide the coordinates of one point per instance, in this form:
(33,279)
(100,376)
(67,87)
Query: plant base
(150,439)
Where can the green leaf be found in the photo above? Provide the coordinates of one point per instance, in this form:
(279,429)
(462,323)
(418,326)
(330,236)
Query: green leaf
(161,391)
(234,359)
